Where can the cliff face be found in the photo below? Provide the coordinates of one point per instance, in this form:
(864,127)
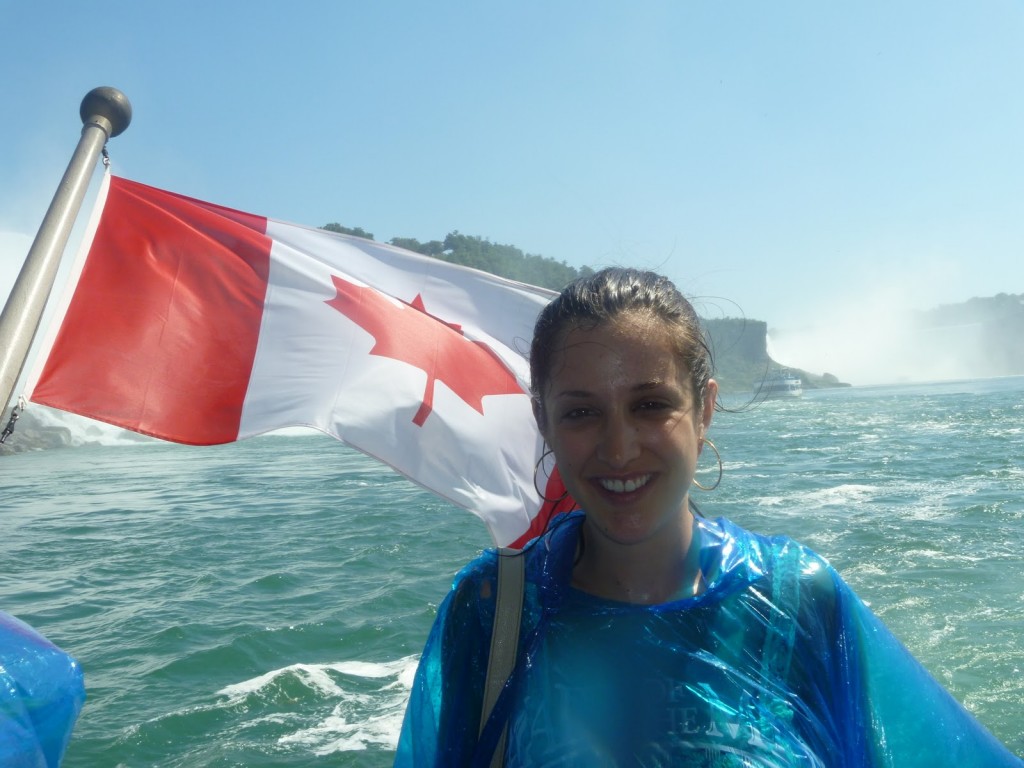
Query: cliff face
(39,428)
(31,434)
(738,339)
(740,351)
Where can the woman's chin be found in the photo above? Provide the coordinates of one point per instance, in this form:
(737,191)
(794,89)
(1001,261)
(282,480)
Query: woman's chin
(622,527)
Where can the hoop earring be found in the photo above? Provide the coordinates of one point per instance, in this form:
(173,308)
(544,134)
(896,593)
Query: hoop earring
(536,471)
(720,470)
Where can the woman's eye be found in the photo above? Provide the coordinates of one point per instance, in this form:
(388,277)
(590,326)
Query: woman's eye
(652,405)
(577,413)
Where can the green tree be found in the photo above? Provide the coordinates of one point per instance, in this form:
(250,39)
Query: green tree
(429,248)
(356,232)
(480,253)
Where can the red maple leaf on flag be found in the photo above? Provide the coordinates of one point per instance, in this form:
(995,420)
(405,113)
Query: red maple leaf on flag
(410,334)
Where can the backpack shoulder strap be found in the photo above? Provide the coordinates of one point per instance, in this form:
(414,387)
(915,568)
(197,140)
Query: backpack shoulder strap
(508,610)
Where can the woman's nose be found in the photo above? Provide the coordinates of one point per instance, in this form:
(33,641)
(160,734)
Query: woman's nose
(619,441)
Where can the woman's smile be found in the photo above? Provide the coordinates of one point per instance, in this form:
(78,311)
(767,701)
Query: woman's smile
(619,486)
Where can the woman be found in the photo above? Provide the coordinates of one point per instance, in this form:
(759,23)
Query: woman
(651,636)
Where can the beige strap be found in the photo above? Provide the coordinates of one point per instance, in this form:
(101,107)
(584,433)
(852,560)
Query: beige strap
(508,609)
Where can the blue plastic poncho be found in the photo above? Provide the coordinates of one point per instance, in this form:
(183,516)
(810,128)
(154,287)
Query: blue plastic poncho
(41,694)
(777,663)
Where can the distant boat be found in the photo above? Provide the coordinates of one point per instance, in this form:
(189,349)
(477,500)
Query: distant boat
(779,385)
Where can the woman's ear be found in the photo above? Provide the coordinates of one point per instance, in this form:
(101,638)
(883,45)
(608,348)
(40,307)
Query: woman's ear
(708,411)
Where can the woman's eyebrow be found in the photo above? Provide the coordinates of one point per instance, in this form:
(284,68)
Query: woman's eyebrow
(574,393)
(644,386)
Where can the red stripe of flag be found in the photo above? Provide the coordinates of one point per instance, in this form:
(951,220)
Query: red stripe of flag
(169,281)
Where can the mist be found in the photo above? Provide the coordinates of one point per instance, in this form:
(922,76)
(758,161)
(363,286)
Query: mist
(881,341)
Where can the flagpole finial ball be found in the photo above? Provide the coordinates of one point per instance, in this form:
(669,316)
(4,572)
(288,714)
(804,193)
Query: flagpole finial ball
(108,108)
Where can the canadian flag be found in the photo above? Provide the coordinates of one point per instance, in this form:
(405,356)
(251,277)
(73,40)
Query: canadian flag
(200,324)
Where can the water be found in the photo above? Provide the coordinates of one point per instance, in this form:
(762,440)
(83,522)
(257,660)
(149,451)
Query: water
(264,603)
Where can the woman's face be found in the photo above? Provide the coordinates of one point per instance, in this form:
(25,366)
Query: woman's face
(620,416)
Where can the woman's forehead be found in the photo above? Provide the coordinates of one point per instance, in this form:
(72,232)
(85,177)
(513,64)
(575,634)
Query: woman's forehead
(627,348)
(630,328)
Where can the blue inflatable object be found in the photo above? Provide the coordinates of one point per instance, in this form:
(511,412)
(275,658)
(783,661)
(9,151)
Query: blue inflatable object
(41,693)
(776,664)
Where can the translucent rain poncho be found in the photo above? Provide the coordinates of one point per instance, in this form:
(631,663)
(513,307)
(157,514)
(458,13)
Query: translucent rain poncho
(776,663)
(41,694)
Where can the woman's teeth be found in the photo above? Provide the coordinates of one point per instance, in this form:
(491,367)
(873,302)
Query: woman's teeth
(624,486)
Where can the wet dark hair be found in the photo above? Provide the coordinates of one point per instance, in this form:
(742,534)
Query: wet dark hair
(598,298)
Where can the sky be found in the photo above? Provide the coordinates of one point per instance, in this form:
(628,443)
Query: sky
(824,167)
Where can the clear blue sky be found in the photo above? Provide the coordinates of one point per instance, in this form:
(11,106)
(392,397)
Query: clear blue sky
(786,161)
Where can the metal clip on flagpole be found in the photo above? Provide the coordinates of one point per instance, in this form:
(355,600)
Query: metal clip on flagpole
(105,112)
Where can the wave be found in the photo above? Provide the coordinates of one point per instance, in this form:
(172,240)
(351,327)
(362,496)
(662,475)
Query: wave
(285,715)
(369,702)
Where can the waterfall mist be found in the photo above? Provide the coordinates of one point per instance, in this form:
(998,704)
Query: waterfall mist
(881,342)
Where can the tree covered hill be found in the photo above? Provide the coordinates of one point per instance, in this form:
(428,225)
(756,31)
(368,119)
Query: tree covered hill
(480,253)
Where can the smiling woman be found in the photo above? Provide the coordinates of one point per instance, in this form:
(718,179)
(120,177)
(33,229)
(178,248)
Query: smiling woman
(621,418)
(650,635)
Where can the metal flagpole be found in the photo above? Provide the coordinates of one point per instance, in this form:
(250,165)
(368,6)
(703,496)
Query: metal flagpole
(105,112)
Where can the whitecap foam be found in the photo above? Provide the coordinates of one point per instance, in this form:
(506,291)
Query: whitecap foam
(837,495)
(313,676)
(337,733)
(368,701)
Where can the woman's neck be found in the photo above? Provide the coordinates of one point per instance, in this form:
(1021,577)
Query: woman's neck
(662,569)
